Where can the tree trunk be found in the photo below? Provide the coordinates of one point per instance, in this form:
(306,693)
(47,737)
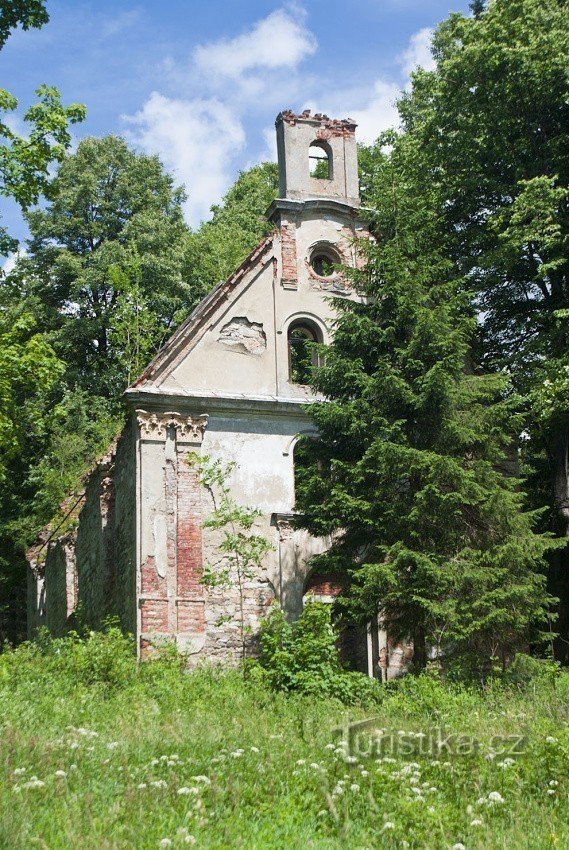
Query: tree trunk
(419,648)
(558,578)
(560,463)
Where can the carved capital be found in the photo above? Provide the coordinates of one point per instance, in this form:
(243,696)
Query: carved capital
(155,426)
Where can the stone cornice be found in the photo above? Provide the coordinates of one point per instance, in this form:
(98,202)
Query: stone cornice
(154,426)
(295,207)
(160,401)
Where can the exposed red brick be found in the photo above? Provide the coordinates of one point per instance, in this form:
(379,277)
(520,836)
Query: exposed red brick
(154,615)
(191,616)
(150,581)
(288,251)
(326,584)
(189,547)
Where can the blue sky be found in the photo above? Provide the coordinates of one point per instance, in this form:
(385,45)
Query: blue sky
(200,83)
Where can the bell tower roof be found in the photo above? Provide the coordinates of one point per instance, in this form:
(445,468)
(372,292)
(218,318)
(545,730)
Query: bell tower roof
(317,158)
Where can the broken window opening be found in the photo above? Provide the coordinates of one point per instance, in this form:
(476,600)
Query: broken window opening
(320,160)
(302,353)
(323,260)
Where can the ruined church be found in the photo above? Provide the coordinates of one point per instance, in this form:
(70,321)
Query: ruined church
(231,384)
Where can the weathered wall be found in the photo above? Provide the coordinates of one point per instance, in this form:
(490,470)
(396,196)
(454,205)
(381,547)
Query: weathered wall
(93,566)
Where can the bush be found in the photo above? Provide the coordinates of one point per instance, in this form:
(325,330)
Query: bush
(98,658)
(303,657)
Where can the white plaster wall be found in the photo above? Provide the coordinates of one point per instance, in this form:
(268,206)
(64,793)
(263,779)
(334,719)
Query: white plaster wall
(211,366)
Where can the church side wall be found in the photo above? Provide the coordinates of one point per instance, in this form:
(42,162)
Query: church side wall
(106,536)
(93,566)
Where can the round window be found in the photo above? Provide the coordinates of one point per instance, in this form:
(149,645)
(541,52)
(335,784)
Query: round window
(323,259)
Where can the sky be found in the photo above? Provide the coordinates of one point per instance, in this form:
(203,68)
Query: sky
(201,83)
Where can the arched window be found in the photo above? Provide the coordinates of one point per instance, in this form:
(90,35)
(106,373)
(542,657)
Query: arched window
(320,160)
(302,354)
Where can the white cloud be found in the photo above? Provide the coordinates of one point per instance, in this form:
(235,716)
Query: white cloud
(200,139)
(277,41)
(372,108)
(418,52)
(379,114)
(197,140)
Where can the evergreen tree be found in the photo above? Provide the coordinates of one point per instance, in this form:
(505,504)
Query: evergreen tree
(491,125)
(408,471)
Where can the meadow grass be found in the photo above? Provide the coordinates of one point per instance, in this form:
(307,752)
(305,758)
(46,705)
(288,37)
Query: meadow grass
(97,752)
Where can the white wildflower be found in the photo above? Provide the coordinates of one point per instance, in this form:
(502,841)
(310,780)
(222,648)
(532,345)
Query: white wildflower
(236,754)
(61,774)
(551,740)
(387,825)
(301,761)
(19,771)
(351,760)
(495,797)
(205,779)
(330,747)
(254,749)
(159,783)
(165,842)
(458,846)
(476,822)
(112,745)
(354,786)
(553,782)
(141,786)
(72,767)
(551,791)
(34,783)
(185,791)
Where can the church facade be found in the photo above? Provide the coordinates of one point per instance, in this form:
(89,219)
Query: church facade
(231,384)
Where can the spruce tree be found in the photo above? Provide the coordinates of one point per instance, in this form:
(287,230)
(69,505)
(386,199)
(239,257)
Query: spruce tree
(410,471)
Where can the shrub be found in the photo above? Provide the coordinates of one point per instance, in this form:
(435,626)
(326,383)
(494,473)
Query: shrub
(304,657)
(98,658)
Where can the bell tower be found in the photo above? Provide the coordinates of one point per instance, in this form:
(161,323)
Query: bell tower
(317,157)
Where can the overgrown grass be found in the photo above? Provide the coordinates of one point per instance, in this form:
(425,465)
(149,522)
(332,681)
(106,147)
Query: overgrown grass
(97,752)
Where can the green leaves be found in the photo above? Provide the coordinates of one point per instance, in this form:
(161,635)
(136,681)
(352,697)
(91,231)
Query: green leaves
(414,468)
(25,13)
(28,364)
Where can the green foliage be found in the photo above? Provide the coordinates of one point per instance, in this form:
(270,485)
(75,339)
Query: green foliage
(161,755)
(25,161)
(408,471)
(112,236)
(25,13)
(491,125)
(238,224)
(304,657)
(28,365)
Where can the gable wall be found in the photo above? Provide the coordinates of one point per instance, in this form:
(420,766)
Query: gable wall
(279,289)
